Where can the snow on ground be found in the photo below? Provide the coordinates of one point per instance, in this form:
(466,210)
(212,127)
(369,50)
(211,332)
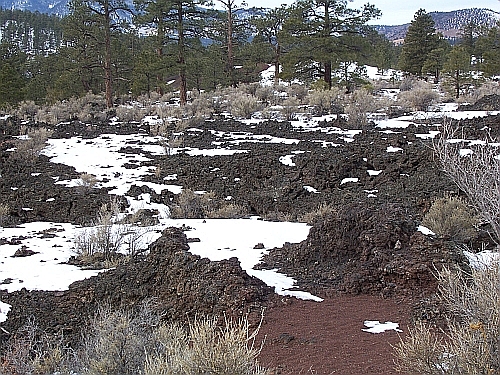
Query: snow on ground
(219,238)
(102,157)
(4,310)
(374,326)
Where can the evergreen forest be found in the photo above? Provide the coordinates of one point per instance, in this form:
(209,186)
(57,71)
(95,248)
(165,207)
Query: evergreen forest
(109,47)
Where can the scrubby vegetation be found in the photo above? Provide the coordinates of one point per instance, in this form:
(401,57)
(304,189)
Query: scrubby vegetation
(125,342)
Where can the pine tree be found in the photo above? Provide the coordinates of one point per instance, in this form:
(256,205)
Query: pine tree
(420,40)
(12,81)
(457,67)
(314,31)
(178,21)
(270,31)
(104,22)
(488,48)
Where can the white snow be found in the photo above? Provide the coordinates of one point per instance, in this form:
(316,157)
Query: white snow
(374,326)
(393,149)
(425,230)
(348,180)
(4,310)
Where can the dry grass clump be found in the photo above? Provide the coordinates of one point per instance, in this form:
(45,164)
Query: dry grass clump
(451,217)
(470,345)
(192,205)
(322,211)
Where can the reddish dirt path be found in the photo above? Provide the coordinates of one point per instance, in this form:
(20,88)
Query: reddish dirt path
(328,336)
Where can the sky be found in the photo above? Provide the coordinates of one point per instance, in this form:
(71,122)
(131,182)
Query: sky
(400,12)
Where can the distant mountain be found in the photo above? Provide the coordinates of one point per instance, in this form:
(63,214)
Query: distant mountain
(448,23)
(56,7)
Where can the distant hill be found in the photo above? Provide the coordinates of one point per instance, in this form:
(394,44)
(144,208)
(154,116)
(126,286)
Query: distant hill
(52,7)
(448,23)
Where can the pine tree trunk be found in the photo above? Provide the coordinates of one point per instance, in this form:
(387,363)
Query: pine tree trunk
(277,66)
(181,58)
(108,79)
(327,75)
(230,56)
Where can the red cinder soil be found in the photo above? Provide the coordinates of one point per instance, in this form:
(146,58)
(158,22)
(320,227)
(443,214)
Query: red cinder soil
(305,337)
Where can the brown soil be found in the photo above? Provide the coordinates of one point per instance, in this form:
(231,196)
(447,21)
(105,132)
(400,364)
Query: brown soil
(305,337)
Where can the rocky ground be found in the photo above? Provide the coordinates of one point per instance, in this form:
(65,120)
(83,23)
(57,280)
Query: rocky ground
(366,245)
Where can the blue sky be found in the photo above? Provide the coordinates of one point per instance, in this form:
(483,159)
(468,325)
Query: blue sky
(402,11)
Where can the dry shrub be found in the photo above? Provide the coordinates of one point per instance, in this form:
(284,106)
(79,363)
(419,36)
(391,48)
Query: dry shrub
(326,101)
(87,182)
(322,211)
(131,113)
(476,174)
(243,105)
(422,352)
(358,105)
(116,342)
(409,83)
(200,107)
(88,108)
(419,98)
(33,351)
(265,94)
(4,212)
(27,110)
(470,345)
(296,90)
(227,211)
(101,239)
(122,343)
(279,216)
(487,88)
(31,143)
(191,205)
(451,217)
(290,108)
(225,350)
